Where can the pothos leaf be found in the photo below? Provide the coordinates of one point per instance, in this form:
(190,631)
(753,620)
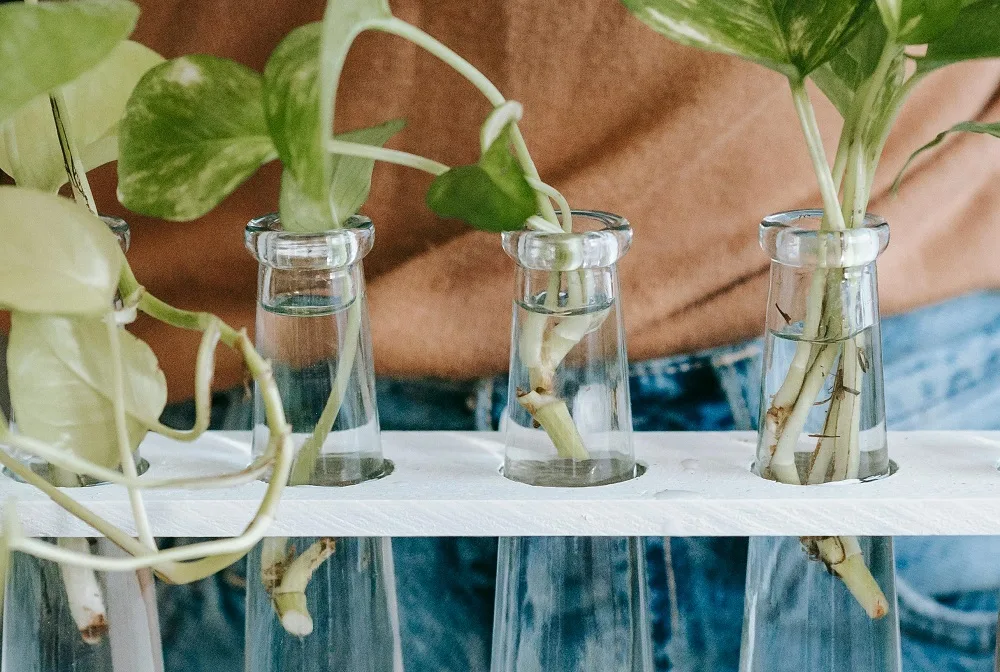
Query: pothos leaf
(492,195)
(348,190)
(193,131)
(918,21)
(61,385)
(974,34)
(291,107)
(793,37)
(964,127)
(95,103)
(56,257)
(47,45)
(842,76)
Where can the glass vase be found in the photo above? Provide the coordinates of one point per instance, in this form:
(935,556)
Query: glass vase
(570,603)
(320,604)
(821,603)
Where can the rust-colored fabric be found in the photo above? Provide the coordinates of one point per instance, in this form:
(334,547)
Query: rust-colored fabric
(693,148)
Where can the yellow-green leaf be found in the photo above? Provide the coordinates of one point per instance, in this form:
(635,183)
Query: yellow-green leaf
(193,131)
(61,384)
(95,103)
(47,45)
(56,257)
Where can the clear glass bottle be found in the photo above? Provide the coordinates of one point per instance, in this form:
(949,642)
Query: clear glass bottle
(569,421)
(821,603)
(570,603)
(320,604)
(110,625)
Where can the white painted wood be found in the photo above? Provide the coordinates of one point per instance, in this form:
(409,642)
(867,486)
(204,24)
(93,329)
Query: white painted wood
(448,484)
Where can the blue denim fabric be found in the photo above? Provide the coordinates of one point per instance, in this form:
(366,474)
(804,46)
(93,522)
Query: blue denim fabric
(942,371)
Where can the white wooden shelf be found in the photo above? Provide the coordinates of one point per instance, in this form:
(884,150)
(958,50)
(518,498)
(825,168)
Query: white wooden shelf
(449,484)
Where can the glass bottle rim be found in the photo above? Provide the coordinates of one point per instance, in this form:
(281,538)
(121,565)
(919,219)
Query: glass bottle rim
(601,239)
(272,246)
(794,238)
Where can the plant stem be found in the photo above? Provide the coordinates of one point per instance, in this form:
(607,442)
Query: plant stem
(125,454)
(289,597)
(308,454)
(387,155)
(75,170)
(84,594)
(430,44)
(814,141)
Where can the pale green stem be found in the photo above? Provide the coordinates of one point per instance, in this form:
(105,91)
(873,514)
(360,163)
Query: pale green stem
(395,156)
(430,44)
(553,193)
(305,460)
(814,141)
(125,455)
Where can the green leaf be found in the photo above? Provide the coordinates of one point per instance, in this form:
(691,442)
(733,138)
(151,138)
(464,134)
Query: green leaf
(918,21)
(95,103)
(56,257)
(47,45)
(193,131)
(291,106)
(348,190)
(842,76)
(793,37)
(964,127)
(61,384)
(974,34)
(492,195)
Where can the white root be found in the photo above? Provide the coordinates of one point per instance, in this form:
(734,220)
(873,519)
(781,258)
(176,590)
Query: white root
(843,557)
(289,598)
(84,594)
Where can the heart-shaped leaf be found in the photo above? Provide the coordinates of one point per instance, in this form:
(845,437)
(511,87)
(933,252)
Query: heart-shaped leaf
(61,385)
(964,127)
(974,34)
(47,45)
(350,183)
(193,131)
(491,195)
(56,257)
(918,21)
(793,37)
(95,103)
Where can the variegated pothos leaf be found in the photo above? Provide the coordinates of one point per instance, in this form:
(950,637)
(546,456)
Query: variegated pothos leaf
(47,45)
(793,37)
(193,131)
(56,257)
(61,385)
(974,34)
(95,103)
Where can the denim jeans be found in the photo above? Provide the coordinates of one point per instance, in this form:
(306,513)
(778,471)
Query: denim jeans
(942,371)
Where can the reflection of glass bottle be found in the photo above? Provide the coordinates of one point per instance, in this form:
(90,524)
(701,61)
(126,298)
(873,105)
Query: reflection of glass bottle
(570,603)
(320,604)
(821,603)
